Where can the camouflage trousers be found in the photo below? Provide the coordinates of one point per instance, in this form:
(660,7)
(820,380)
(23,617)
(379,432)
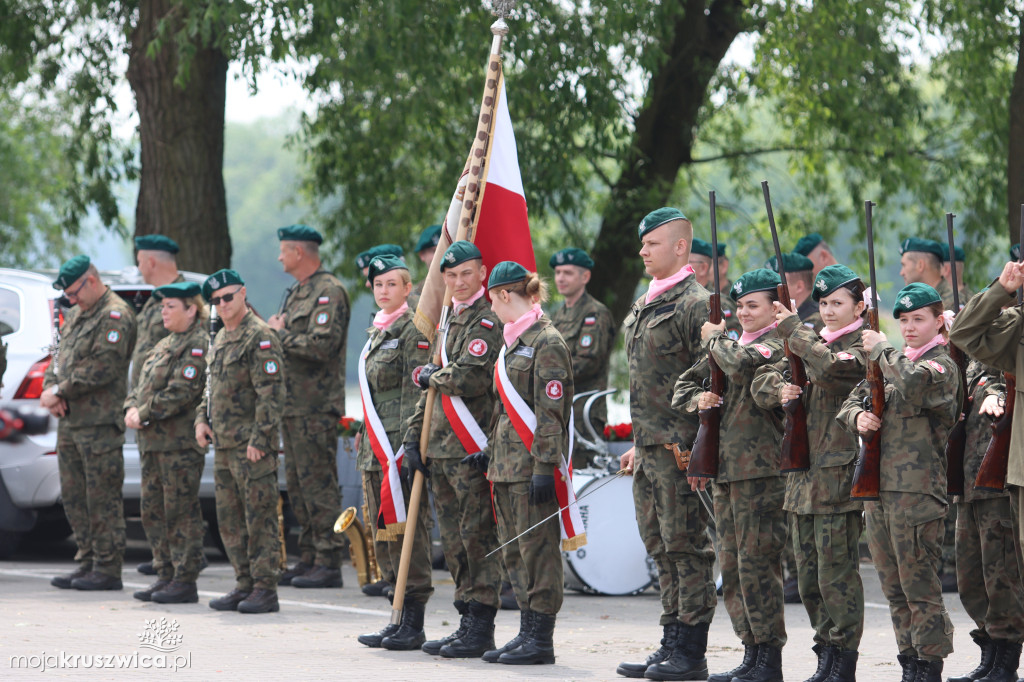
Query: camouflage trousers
(311,471)
(751,526)
(986,541)
(91,466)
(171,515)
(534,562)
(948,561)
(247,499)
(904,534)
(828,574)
(674,527)
(462,499)
(418,585)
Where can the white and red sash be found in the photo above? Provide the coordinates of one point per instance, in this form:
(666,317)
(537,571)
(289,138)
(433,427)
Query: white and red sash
(466,429)
(524,421)
(391,517)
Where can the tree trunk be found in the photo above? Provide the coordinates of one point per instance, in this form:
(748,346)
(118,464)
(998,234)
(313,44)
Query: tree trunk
(1015,161)
(181,129)
(662,142)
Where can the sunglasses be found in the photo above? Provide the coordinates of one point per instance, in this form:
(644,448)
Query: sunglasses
(226,298)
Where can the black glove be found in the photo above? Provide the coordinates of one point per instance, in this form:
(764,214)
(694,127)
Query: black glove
(478,461)
(414,459)
(542,488)
(403,477)
(423,378)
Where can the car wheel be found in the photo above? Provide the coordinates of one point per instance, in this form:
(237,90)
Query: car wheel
(9,541)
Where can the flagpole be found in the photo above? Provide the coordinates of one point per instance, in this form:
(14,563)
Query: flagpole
(466,230)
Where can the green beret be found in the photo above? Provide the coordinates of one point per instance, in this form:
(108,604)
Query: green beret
(156,242)
(571,256)
(506,272)
(177,290)
(761,279)
(701,248)
(961,255)
(459,252)
(658,218)
(921,245)
(70,271)
(385,263)
(793,262)
(913,296)
(429,237)
(1015,252)
(363,259)
(831,278)
(219,280)
(299,233)
(721,249)
(807,244)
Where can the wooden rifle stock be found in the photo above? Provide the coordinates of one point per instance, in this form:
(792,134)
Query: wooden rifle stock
(796,447)
(867,474)
(957,441)
(704,455)
(992,474)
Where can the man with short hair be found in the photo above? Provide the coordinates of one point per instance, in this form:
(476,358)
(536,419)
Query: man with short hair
(241,415)
(800,280)
(814,247)
(702,260)
(426,245)
(313,328)
(589,331)
(921,261)
(86,385)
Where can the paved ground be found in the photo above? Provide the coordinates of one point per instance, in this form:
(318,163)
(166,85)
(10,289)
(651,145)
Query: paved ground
(313,637)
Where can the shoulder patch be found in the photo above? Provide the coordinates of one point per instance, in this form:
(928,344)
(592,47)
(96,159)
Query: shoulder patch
(590,319)
(484,322)
(323,317)
(554,389)
(809,325)
(264,345)
(423,345)
(586,340)
(763,349)
(937,367)
(726,312)
(323,300)
(113,336)
(189,372)
(197,352)
(982,381)
(477,347)
(843,355)
(115,315)
(270,367)
(733,335)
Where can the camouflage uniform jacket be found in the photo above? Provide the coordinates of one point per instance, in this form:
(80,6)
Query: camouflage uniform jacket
(833,370)
(151,329)
(246,387)
(922,403)
(393,354)
(982,381)
(663,341)
(313,341)
(750,437)
(809,315)
(474,339)
(540,368)
(95,350)
(945,290)
(732,323)
(169,389)
(993,336)
(589,332)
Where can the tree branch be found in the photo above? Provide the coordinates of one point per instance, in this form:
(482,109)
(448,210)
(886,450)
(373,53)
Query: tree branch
(757,151)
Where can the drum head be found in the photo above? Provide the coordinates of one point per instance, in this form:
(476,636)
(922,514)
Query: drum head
(614,561)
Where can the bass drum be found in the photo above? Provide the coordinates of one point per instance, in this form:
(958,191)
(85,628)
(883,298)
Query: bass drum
(614,561)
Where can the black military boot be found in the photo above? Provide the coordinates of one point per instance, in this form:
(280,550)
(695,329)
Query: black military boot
(373,639)
(301,568)
(686,662)
(826,658)
(64,581)
(909,665)
(94,580)
(538,648)
(479,635)
(525,623)
(409,634)
(261,600)
(433,646)
(749,659)
(1004,667)
(988,655)
(844,669)
(146,568)
(318,576)
(177,593)
(147,594)
(768,667)
(230,601)
(928,671)
(669,635)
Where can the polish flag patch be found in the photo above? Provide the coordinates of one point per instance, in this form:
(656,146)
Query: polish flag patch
(197,352)
(937,367)
(763,349)
(114,315)
(590,320)
(843,355)
(487,324)
(423,345)
(554,389)
(477,347)
(264,345)
(323,300)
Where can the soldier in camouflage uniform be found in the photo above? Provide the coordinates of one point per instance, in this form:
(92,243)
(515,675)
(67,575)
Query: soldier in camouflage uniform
(395,348)
(963,291)
(426,245)
(523,465)
(461,416)
(161,406)
(85,386)
(589,331)
(814,247)
(241,415)
(663,341)
(800,280)
(313,329)
(923,398)
(826,524)
(749,490)
(701,260)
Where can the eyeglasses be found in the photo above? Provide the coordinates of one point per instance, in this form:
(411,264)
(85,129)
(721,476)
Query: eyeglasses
(226,298)
(78,289)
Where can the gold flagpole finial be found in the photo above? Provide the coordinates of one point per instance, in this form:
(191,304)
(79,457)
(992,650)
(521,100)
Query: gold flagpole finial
(501,9)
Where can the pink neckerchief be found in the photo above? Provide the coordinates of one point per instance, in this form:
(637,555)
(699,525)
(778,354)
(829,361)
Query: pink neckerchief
(462,305)
(513,330)
(750,337)
(660,286)
(914,353)
(839,333)
(383,320)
